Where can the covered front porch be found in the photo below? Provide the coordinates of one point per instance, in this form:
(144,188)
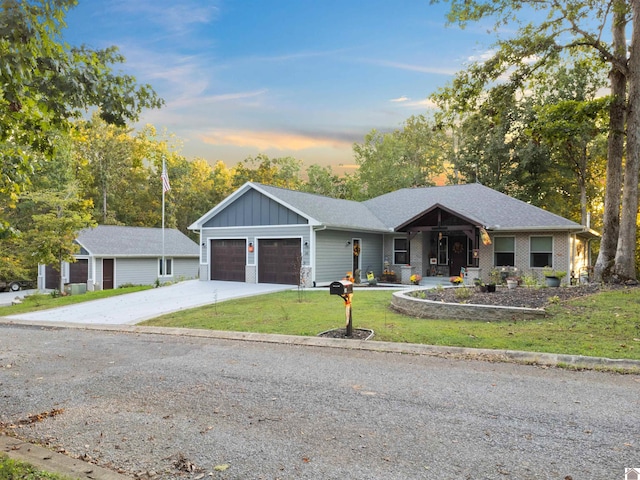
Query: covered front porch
(438,243)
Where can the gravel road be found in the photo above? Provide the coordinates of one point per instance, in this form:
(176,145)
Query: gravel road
(243,410)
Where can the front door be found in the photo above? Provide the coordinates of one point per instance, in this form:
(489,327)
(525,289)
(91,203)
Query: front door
(107,273)
(458,254)
(356,263)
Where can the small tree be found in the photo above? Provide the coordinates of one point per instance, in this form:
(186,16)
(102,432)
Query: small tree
(62,214)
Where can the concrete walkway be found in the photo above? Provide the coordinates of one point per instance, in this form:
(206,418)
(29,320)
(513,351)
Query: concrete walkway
(136,307)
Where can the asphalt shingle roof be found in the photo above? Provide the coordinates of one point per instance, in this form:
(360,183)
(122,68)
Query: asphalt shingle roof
(329,211)
(484,205)
(119,241)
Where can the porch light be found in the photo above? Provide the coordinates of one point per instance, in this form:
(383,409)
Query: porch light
(250,247)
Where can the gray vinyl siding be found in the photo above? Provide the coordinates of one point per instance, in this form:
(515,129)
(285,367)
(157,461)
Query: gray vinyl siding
(137,271)
(144,271)
(254,208)
(334,257)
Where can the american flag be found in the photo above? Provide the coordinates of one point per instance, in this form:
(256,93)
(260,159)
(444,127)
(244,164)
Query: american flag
(166,186)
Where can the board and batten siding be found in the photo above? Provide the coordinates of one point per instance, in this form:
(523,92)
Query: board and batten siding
(252,234)
(334,258)
(254,209)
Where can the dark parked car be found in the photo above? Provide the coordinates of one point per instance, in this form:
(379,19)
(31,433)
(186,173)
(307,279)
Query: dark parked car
(15,285)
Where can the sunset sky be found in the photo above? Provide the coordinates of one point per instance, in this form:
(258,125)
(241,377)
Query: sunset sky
(296,78)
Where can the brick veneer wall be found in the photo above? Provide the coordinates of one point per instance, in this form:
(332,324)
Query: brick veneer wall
(561,258)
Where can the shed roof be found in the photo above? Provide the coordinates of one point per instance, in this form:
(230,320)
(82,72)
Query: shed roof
(121,241)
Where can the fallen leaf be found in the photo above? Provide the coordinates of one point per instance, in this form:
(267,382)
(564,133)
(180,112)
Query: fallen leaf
(221,468)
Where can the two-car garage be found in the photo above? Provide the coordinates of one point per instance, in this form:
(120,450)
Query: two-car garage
(278,260)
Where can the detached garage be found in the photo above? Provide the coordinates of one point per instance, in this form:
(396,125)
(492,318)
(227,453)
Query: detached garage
(111,256)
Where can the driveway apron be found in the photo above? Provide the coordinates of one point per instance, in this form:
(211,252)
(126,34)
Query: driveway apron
(136,307)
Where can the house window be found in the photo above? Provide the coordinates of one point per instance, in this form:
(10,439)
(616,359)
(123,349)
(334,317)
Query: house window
(541,249)
(504,251)
(400,251)
(169,263)
(443,251)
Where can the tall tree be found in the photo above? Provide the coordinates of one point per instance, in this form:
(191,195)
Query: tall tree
(107,152)
(409,157)
(561,28)
(278,172)
(44,83)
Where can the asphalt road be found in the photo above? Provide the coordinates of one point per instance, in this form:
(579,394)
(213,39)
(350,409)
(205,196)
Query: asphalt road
(247,410)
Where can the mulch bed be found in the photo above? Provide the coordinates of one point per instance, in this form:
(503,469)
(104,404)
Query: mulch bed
(358,334)
(518,297)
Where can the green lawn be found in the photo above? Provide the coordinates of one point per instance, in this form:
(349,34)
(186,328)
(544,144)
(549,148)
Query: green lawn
(43,301)
(602,325)
(11,469)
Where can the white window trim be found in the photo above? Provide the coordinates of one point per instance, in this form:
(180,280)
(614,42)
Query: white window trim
(166,259)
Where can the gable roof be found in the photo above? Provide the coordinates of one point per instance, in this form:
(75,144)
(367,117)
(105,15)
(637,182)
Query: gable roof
(478,204)
(483,205)
(120,241)
(317,209)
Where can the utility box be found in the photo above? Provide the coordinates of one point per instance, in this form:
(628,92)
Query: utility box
(341,287)
(75,288)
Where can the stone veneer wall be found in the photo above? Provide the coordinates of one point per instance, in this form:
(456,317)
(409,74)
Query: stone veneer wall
(418,307)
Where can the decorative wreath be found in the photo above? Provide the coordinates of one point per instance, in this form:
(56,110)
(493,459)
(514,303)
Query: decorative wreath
(356,249)
(458,247)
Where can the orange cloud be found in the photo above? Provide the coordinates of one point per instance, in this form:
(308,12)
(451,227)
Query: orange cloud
(270,140)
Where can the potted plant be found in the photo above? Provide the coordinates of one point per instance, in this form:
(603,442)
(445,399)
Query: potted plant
(552,276)
(495,277)
(512,282)
(457,280)
(415,279)
(480,284)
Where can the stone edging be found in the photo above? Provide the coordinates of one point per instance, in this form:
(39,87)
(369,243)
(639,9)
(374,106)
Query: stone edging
(422,308)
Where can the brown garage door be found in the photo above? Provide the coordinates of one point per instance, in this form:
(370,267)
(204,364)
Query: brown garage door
(279,261)
(79,271)
(52,278)
(228,260)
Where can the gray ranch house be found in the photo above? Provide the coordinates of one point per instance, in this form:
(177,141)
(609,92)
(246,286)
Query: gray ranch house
(266,234)
(111,256)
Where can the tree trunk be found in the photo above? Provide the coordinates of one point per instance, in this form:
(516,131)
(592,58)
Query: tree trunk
(582,179)
(625,267)
(615,150)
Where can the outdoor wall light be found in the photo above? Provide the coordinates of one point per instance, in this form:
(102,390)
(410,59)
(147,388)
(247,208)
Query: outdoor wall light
(348,243)
(250,247)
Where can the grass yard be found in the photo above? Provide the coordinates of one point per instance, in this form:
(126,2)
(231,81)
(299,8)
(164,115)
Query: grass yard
(11,469)
(43,301)
(603,325)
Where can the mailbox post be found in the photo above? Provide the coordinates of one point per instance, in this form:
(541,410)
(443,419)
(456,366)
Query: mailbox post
(344,289)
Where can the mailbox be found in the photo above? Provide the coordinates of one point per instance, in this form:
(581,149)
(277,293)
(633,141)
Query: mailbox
(341,287)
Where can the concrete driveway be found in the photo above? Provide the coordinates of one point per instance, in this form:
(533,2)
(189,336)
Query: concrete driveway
(135,307)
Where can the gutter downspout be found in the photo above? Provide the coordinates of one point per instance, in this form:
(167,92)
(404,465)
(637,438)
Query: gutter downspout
(312,251)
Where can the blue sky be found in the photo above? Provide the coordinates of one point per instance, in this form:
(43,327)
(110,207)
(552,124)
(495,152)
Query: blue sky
(294,78)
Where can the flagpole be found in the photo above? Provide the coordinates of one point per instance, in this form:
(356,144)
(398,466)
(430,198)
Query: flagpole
(166,186)
(164,173)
